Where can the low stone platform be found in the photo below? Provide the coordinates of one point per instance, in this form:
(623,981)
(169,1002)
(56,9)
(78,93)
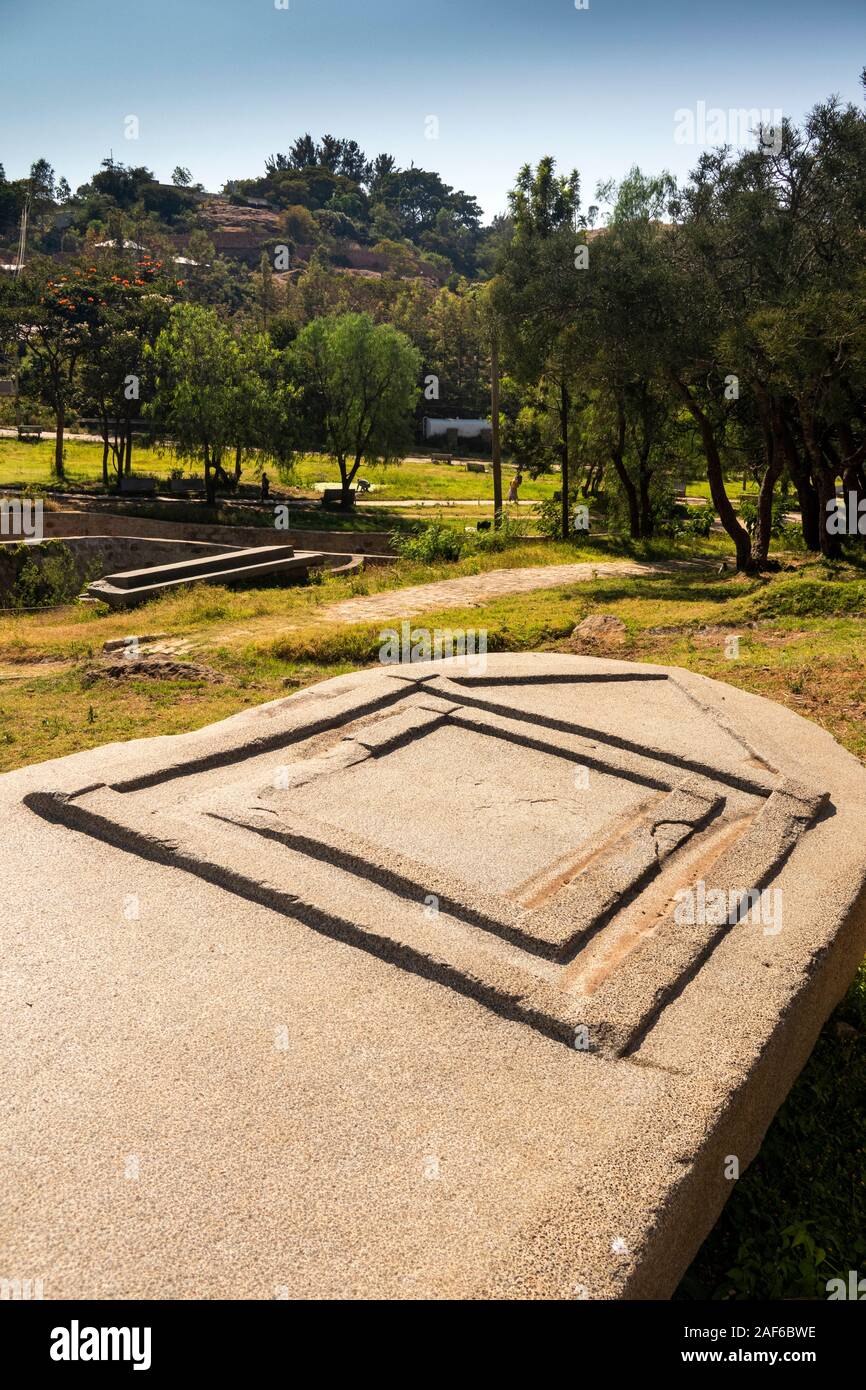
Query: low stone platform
(129,587)
(429,981)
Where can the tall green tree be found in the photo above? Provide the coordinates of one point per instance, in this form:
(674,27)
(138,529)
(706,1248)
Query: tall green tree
(55,313)
(628,285)
(130,311)
(197,371)
(773,264)
(359,381)
(539,293)
(264,408)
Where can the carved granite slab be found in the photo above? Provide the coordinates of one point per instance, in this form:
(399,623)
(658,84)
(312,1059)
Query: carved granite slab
(420,983)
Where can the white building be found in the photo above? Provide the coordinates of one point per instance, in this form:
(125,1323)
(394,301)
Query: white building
(466,429)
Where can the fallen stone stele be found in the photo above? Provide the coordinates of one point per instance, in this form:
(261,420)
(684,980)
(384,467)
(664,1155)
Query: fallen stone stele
(419,983)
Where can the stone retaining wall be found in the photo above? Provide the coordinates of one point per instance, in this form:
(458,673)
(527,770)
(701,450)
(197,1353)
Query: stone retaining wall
(110,524)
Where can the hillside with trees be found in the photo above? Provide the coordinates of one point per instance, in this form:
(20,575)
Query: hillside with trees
(714,330)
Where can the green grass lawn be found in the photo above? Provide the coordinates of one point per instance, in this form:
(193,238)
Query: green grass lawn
(433,481)
(412,479)
(699,487)
(32,465)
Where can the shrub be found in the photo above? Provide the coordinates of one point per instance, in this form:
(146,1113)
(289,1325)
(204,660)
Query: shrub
(434,542)
(749,514)
(530,442)
(438,541)
(493,541)
(548,515)
(45,578)
(674,518)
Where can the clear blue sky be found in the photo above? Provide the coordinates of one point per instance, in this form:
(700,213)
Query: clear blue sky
(217,85)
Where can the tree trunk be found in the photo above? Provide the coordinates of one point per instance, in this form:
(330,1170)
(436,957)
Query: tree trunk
(773,464)
(221,477)
(824,479)
(58,440)
(117,453)
(127,458)
(715,476)
(617,454)
(346,477)
(810,519)
(764,523)
(646,510)
(495,447)
(831,545)
(799,473)
(209,479)
(854,488)
(563,425)
(105,447)
(594,477)
(853,478)
(238,452)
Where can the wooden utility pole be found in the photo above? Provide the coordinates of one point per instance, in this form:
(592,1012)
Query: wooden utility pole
(494,421)
(19,266)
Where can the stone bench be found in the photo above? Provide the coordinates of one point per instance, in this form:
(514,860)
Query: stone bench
(138,486)
(333,497)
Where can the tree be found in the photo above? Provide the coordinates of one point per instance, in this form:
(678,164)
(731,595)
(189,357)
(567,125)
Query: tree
(687,342)
(360,383)
(42,192)
(417,196)
(459,328)
(329,153)
(55,313)
(197,370)
(626,301)
(217,394)
(543,202)
(12,198)
(265,411)
(110,377)
(381,167)
(303,153)
(353,162)
(119,182)
(131,312)
(772,256)
(181,176)
(538,293)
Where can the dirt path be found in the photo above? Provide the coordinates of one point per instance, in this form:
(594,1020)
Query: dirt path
(467,591)
(472,590)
